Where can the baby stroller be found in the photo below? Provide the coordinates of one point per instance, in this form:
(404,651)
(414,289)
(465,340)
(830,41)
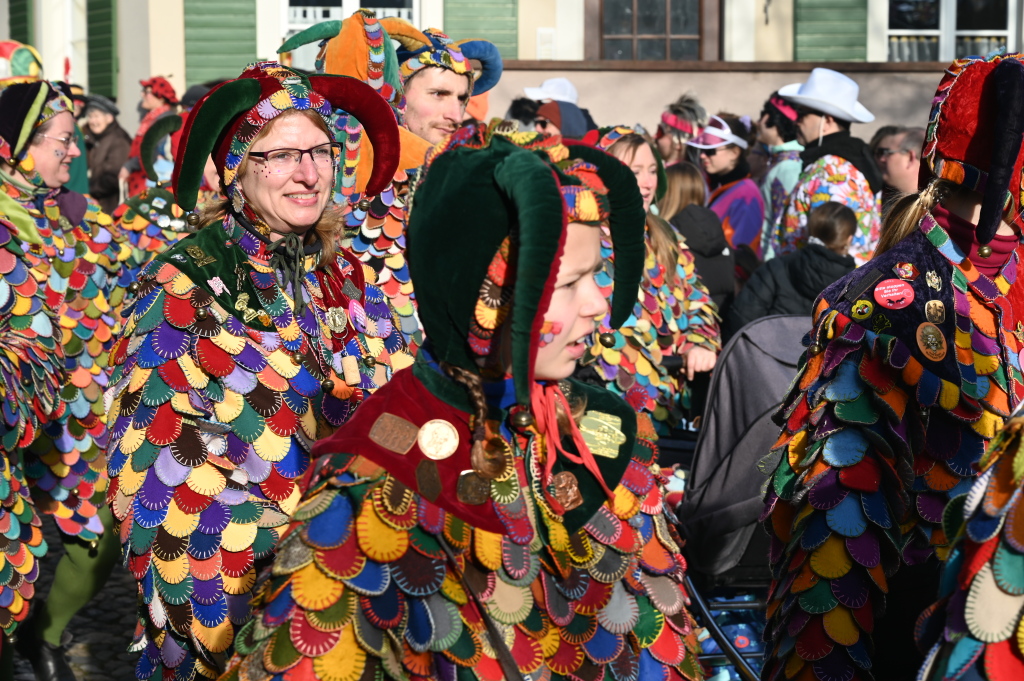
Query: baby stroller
(725,546)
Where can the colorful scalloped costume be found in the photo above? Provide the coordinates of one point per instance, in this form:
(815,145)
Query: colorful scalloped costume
(62,282)
(668,320)
(396,566)
(229,367)
(977,624)
(361,47)
(904,384)
(877,439)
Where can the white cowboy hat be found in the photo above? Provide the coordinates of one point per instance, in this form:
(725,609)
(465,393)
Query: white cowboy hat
(829,92)
(558,89)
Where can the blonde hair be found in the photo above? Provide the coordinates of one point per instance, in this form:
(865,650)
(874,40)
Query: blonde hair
(328,229)
(662,237)
(685,188)
(907,210)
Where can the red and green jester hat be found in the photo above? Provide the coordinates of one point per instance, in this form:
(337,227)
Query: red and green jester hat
(912,367)
(237,353)
(445,534)
(976,630)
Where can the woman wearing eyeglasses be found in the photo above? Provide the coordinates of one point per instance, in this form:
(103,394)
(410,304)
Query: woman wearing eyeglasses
(62,280)
(735,198)
(247,341)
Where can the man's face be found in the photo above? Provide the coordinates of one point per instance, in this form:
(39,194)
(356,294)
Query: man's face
(149,100)
(899,167)
(809,126)
(435,100)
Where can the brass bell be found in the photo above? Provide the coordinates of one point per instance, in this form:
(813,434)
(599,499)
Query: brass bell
(814,349)
(985,251)
(202,313)
(522,419)
(192,219)
(133,287)
(364,204)
(297,357)
(27,381)
(369,361)
(607,339)
(327,385)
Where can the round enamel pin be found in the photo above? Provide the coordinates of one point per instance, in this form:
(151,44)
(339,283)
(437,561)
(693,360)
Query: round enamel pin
(438,439)
(905,270)
(931,342)
(894,294)
(862,309)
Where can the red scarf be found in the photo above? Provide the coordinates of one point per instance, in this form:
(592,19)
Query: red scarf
(965,235)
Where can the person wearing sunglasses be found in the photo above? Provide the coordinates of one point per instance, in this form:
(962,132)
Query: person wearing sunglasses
(263,333)
(63,278)
(735,198)
(560,118)
(836,166)
(899,158)
(681,121)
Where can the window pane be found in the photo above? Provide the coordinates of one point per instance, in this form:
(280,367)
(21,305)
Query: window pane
(981,15)
(685,50)
(618,17)
(618,48)
(914,48)
(651,49)
(980,46)
(685,17)
(914,14)
(650,17)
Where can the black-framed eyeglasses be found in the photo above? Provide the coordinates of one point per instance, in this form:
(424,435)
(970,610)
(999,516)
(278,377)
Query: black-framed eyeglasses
(65,141)
(883,152)
(287,160)
(710,152)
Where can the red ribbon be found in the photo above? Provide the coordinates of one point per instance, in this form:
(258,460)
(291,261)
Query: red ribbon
(680,124)
(543,399)
(784,108)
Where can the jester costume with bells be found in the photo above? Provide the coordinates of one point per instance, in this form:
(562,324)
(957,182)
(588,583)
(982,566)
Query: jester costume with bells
(237,354)
(361,47)
(451,532)
(911,369)
(63,277)
(670,316)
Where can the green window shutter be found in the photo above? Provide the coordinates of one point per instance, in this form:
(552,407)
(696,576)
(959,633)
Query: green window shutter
(101,40)
(220,39)
(494,20)
(831,30)
(20,16)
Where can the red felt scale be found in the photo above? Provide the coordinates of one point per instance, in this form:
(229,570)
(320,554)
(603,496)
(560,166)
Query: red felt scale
(179,311)
(237,563)
(213,359)
(166,426)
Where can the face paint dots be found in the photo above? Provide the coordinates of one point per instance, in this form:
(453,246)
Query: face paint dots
(548,331)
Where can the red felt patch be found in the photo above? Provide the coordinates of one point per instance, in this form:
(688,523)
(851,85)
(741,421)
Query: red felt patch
(864,476)
(174,377)
(276,486)
(284,423)
(166,426)
(309,641)
(213,359)
(179,311)
(343,562)
(1003,662)
(236,563)
(813,643)
(190,501)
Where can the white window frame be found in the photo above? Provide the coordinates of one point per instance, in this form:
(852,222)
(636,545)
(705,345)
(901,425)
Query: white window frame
(879,33)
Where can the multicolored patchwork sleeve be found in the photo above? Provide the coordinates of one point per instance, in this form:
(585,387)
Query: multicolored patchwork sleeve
(30,349)
(976,629)
(66,465)
(831,178)
(873,448)
(700,323)
(364,587)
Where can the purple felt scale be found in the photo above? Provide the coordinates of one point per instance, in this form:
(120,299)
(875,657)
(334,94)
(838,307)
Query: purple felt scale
(154,494)
(851,589)
(208,592)
(956,624)
(270,340)
(836,666)
(308,322)
(797,622)
(899,356)
(827,492)
(214,519)
(171,653)
(237,450)
(170,472)
(240,380)
(931,506)
(864,549)
(943,437)
(250,358)
(169,342)
(257,468)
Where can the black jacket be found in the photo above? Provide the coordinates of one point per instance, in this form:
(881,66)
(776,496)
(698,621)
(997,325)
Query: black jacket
(107,153)
(713,258)
(788,284)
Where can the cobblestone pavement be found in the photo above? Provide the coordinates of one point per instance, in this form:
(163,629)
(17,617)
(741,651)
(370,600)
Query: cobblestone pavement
(102,630)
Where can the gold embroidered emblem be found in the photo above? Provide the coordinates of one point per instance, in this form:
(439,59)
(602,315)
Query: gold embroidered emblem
(199,256)
(602,433)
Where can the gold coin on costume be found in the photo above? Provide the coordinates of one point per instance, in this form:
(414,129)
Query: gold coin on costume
(935,311)
(438,439)
(931,342)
